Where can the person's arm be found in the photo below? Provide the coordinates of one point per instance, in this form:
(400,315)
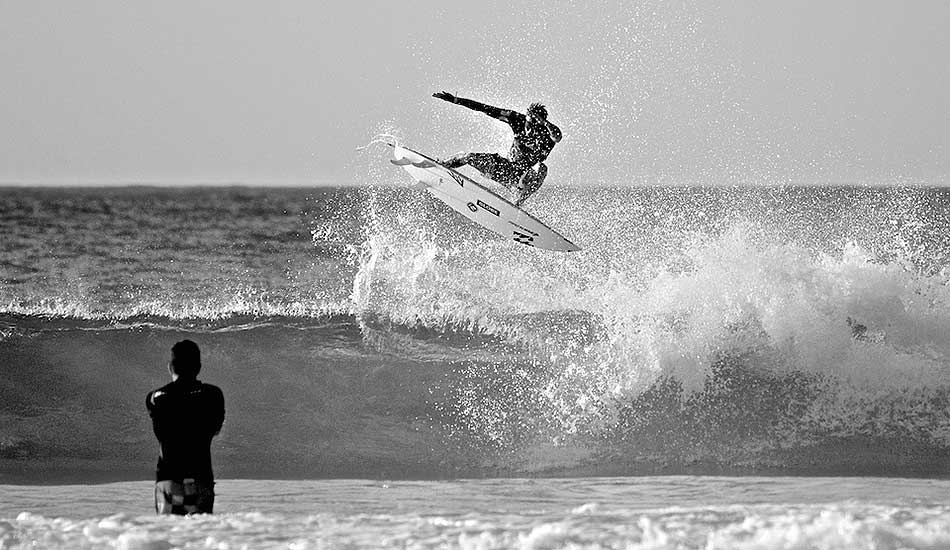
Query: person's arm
(553,130)
(217,411)
(156,412)
(504,115)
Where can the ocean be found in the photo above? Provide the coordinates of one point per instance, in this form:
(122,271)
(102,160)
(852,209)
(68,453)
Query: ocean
(716,368)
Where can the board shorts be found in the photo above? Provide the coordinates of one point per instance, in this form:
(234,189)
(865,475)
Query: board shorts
(184,497)
(496,167)
(499,169)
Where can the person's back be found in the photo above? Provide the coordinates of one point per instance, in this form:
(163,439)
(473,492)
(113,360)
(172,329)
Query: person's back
(532,141)
(186,415)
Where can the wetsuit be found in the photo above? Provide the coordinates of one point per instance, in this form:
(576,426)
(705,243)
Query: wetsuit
(186,415)
(532,144)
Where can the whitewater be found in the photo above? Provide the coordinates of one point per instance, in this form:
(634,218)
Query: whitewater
(592,513)
(372,343)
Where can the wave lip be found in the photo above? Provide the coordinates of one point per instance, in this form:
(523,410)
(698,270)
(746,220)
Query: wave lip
(56,315)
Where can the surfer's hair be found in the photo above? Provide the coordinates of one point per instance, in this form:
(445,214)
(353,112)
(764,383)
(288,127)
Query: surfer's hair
(538,110)
(186,359)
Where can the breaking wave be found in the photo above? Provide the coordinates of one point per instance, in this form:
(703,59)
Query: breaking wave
(699,331)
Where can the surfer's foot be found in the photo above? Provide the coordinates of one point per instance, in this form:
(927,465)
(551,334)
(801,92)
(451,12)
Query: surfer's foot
(455,161)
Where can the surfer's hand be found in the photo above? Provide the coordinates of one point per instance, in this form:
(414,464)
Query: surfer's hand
(445,96)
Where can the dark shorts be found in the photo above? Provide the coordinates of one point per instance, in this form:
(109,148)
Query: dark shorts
(184,497)
(518,178)
(496,167)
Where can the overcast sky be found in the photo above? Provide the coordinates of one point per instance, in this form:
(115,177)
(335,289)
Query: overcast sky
(739,91)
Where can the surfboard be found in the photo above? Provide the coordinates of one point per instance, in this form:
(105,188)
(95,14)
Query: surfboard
(478,203)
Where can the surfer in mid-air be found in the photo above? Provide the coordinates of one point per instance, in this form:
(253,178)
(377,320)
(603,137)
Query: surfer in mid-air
(524,169)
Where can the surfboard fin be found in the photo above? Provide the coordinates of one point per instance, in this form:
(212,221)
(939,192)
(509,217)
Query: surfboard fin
(421,164)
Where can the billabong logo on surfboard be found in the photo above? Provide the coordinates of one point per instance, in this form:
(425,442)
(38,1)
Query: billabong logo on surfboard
(524,239)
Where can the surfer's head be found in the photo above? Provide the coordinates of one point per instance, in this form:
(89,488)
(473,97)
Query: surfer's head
(186,359)
(538,111)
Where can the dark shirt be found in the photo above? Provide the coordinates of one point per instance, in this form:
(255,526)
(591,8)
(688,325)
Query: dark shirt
(532,143)
(186,414)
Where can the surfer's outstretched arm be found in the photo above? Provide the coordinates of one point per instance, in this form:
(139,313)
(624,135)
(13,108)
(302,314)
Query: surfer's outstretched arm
(503,115)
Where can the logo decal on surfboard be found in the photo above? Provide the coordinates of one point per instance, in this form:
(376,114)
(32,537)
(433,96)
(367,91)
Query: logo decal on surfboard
(471,206)
(458,179)
(491,209)
(523,239)
(523,228)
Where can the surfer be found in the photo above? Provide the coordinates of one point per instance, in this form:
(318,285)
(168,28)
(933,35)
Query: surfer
(524,169)
(186,415)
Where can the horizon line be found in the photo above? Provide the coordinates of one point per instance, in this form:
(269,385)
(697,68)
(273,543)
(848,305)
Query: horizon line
(321,184)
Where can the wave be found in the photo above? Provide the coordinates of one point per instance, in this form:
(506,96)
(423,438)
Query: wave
(687,342)
(741,349)
(221,310)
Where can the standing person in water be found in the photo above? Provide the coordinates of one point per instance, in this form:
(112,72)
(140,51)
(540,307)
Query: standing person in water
(186,415)
(524,169)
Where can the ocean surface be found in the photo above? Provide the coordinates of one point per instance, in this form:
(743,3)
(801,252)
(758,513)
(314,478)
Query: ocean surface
(651,512)
(373,342)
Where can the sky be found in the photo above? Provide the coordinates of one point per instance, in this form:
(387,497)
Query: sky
(654,92)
